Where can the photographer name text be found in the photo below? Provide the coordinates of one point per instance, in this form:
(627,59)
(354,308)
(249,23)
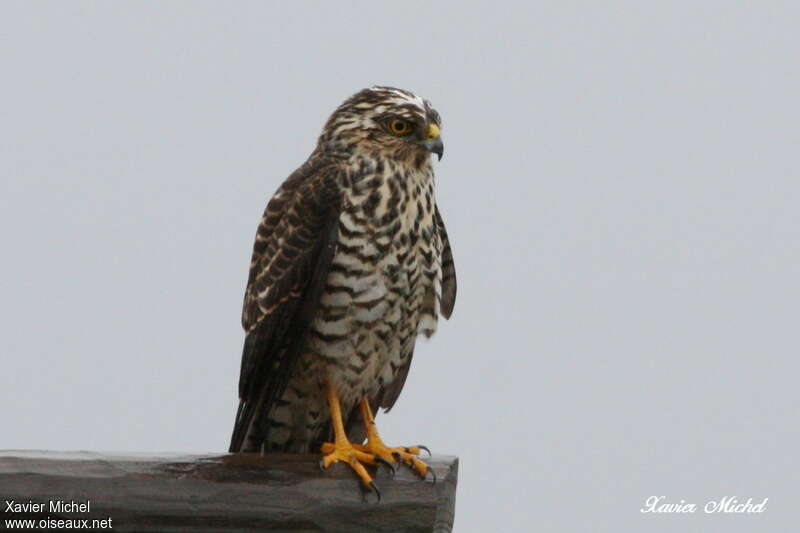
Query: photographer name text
(725,505)
(52,506)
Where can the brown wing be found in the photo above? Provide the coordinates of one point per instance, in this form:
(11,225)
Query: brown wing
(294,247)
(448,270)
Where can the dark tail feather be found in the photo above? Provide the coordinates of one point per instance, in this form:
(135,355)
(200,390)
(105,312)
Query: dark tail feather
(239,429)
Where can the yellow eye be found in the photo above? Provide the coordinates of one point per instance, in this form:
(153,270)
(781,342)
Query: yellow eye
(399,126)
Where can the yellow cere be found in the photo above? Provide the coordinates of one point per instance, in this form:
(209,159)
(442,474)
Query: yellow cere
(433,131)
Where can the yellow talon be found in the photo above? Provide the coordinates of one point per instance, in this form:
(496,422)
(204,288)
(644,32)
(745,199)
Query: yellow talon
(342,450)
(406,454)
(371,453)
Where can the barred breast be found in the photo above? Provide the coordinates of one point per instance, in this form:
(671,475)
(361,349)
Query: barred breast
(382,290)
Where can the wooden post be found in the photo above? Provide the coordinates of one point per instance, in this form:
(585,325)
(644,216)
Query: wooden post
(240,492)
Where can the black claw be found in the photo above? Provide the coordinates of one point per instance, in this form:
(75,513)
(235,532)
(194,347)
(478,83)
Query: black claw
(421,447)
(432,474)
(374,489)
(387,464)
(397,457)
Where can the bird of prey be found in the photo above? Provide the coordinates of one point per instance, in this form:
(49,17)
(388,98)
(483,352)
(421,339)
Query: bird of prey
(351,263)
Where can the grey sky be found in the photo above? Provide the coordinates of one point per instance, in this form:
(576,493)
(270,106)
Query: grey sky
(621,189)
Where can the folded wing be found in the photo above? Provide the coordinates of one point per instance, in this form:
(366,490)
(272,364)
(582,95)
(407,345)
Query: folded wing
(295,244)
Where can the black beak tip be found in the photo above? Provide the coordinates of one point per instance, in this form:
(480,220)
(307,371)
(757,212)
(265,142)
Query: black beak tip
(435,147)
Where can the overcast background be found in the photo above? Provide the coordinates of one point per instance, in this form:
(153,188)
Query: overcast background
(620,185)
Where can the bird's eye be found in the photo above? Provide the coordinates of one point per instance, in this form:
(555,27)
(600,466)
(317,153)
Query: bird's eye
(399,126)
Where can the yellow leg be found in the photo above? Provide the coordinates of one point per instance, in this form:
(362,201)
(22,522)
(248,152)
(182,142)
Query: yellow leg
(375,446)
(341,449)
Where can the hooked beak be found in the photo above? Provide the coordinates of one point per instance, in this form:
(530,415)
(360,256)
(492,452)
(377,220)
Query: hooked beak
(433,141)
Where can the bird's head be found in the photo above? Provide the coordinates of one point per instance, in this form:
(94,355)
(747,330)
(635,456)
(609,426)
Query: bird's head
(387,122)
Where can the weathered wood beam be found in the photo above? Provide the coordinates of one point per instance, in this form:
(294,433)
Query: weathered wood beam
(227,493)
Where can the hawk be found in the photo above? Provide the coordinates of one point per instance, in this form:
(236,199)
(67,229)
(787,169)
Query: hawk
(351,263)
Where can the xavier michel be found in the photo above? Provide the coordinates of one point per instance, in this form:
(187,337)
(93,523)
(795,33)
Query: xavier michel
(727,504)
(53,506)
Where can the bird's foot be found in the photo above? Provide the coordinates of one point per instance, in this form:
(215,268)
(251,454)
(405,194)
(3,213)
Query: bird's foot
(346,452)
(381,453)
(407,455)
